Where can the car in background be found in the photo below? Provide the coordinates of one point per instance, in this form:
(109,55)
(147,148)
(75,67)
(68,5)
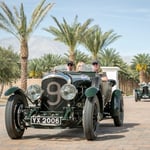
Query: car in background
(142,92)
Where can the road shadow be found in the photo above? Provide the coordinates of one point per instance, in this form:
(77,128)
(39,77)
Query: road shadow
(144,100)
(73,134)
(106,131)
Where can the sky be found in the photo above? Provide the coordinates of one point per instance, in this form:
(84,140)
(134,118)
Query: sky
(128,18)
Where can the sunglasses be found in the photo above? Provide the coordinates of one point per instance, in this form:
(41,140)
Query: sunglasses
(95,64)
(70,64)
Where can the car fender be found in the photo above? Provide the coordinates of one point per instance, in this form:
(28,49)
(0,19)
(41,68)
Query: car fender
(91,91)
(138,92)
(12,90)
(115,102)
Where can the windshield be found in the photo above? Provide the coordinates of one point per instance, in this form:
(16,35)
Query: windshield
(85,67)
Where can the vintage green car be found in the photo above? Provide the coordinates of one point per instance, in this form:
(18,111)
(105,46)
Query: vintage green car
(64,99)
(142,92)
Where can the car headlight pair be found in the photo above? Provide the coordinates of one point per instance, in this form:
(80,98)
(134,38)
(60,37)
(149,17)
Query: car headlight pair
(68,91)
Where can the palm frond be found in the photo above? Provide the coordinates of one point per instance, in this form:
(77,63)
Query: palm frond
(38,15)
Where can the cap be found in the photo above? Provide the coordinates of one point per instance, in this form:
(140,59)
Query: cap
(70,63)
(95,62)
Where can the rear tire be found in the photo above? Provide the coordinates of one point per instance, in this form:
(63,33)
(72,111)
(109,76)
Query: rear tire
(90,118)
(14,117)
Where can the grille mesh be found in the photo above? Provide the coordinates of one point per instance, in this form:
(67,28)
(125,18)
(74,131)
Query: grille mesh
(51,87)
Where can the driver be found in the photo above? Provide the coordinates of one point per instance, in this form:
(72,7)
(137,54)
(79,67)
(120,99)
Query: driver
(70,66)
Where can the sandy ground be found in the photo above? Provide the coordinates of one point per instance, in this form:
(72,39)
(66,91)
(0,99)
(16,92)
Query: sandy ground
(133,135)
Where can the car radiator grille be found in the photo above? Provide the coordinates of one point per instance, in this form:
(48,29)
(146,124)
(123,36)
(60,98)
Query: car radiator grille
(51,88)
(145,90)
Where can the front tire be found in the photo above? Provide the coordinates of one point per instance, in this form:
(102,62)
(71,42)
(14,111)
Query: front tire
(14,117)
(136,97)
(90,118)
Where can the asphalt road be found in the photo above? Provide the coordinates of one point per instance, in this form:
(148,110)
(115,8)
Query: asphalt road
(133,135)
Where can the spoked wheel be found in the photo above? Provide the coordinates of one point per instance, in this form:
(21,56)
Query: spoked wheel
(90,117)
(14,117)
(118,107)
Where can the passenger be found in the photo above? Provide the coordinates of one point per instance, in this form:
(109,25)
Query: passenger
(80,66)
(70,66)
(104,85)
(96,68)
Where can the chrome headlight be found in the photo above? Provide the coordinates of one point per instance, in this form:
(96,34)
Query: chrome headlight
(68,91)
(34,92)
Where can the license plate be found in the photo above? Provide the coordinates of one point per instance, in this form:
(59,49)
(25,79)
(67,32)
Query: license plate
(44,120)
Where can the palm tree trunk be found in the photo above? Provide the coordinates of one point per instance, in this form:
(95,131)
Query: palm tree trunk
(1,89)
(72,55)
(141,76)
(24,63)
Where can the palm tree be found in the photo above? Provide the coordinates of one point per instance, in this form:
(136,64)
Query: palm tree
(109,57)
(95,40)
(15,23)
(35,68)
(52,60)
(44,64)
(70,35)
(141,63)
(79,57)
